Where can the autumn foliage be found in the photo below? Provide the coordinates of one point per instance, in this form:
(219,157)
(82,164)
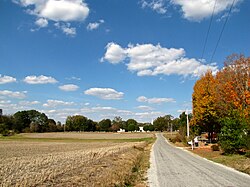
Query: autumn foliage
(225,95)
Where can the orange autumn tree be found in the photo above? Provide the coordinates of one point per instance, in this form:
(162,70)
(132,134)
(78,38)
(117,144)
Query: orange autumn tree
(204,105)
(233,87)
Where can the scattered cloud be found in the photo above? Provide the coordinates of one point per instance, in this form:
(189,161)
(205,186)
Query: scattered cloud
(148,116)
(105,93)
(156,5)
(152,60)
(197,10)
(95,25)
(29,103)
(69,87)
(6,79)
(145,108)
(13,94)
(41,22)
(54,103)
(63,11)
(114,54)
(73,78)
(192,10)
(4,102)
(155,100)
(66,28)
(32,79)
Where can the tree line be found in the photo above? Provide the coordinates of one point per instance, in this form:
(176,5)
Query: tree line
(221,104)
(29,121)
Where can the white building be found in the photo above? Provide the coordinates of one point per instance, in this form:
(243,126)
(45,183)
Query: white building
(141,129)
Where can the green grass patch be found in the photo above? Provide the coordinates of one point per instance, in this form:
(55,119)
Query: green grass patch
(19,137)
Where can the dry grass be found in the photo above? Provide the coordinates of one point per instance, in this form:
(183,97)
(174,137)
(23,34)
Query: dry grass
(89,136)
(27,163)
(238,162)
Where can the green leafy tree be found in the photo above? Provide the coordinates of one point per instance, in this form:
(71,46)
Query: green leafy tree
(233,134)
(105,125)
(23,120)
(163,123)
(76,123)
(131,127)
(52,127)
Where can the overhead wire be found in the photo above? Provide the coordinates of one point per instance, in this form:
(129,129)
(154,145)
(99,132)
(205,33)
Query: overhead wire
(223,28)
(209,27)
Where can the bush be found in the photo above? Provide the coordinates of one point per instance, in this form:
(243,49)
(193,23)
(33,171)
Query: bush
(177,138)
(4,130)
(247,154)
(215,148)
(232,137)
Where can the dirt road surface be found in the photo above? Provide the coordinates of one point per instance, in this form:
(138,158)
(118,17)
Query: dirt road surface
(171,166)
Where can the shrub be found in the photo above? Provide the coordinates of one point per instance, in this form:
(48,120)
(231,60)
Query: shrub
(215,148)
(232,137)
(247,154)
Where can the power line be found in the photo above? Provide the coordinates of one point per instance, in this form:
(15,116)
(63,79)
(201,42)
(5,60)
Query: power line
(228,14)
(209,27)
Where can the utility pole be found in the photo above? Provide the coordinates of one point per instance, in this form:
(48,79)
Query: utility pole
(187,124)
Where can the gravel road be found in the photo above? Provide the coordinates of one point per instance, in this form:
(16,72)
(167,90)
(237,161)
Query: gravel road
(172,166)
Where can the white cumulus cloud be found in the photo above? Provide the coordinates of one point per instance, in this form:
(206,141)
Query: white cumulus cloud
(105,93)
(151,60)
(197,10)
(55,103)
(13,94)
(32,79)
(63,11)
(6,79)
(114,54)
(69,87)
(155,100)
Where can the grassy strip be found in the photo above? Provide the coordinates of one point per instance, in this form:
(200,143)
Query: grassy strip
(238,162)
(137,177)
(22,138)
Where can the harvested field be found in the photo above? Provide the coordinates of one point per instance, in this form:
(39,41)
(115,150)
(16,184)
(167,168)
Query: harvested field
(87,135)
(27,163)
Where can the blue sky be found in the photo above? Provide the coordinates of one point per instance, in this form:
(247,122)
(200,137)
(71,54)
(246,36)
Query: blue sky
(135,59)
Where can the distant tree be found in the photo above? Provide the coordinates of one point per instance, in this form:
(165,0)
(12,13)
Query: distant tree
(131,123)
(91,125)
(76,123)
(52,127)
(116,123)
(105,125)
(163,123)
(151,128)
(131,127)
(25,119)
(146,128)
(21,121)
(7,121)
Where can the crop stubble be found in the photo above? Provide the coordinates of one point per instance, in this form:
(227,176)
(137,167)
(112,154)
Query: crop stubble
(66,163)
